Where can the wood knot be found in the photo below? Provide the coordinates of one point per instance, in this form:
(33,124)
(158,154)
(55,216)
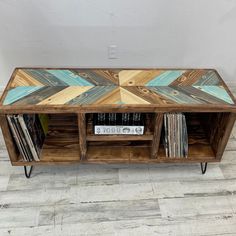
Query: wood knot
(175,92)
(83,74)
(131,82)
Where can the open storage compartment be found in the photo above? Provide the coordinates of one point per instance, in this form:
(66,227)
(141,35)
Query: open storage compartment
(119,147)
(205,134)
(61,143)
(147,134)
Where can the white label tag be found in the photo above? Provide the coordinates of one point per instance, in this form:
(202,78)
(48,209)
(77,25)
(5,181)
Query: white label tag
(109,129)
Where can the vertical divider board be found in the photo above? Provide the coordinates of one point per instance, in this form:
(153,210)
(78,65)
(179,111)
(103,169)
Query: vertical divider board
(82,128)
(10,144)
(158,123)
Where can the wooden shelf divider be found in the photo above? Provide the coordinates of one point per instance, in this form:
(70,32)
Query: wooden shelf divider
(110,138)
(158,122)
(82,128)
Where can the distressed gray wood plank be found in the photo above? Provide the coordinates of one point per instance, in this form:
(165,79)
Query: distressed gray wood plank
(231,145)
(116,192)
(6,169)
(229,171)
(229,157)
(107,211)
(92,175)
(38,197)
(41,180)
(208,188)
(194,206)
(4,182)
(18,217)
(134,175)
(170,172)
(219,225)
(127,192)
(4,154)
(49,177)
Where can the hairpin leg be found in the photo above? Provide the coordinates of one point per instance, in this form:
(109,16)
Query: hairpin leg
(203,167)
(28,173)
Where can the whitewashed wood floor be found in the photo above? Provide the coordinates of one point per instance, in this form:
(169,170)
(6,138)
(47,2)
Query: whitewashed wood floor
(164,199)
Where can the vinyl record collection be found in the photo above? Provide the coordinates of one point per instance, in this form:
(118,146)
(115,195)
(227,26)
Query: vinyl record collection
(175,135)
(118,123)
(29,131)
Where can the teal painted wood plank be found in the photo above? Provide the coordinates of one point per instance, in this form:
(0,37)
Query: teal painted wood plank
(200,95)
(17,93)
(165,78)
(69,77)
(174,95)
(92,95)
(216,91)
(44,77)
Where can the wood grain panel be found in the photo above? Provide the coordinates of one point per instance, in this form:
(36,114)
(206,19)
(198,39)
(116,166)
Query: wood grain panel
(23,79)
(158,123)
(65,95)
(147,94)
(137,77)
(61,143)
(188,78)
(129,98)
(220,132)
(82,135)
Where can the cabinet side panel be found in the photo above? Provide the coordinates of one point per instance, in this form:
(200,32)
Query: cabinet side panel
(11,147)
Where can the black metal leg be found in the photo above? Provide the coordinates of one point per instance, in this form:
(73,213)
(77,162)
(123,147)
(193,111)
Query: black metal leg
(28,173)
(203,167)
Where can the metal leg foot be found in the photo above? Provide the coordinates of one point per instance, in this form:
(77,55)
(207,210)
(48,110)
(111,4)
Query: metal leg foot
(203,167)
(28,173)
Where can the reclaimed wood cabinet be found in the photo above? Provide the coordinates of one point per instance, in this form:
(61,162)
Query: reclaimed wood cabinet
(70,97)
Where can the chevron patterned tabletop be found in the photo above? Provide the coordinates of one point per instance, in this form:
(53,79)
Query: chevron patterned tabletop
(116,86)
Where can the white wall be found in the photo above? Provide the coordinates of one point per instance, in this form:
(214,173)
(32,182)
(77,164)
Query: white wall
(148,33)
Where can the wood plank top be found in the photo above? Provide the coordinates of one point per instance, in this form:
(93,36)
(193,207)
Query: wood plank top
(49,90)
